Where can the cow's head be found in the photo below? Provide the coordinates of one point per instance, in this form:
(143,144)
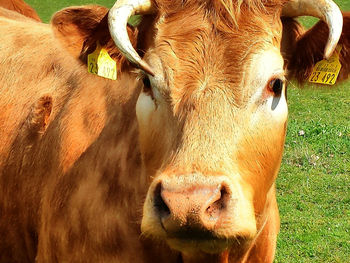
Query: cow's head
(212,113)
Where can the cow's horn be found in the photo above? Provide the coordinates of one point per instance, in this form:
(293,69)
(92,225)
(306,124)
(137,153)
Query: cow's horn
(117,21)
(325,10)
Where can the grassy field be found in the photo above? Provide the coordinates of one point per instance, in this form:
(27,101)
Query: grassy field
(314,182)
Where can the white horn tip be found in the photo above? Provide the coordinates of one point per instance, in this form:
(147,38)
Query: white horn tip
(144,66)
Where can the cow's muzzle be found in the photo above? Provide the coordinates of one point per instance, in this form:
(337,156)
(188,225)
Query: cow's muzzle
(198,213)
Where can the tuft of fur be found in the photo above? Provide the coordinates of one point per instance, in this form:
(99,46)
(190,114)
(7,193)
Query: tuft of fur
(225,14)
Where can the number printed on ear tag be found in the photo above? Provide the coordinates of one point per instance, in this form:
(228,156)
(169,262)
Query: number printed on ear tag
(327,71)
(101,64)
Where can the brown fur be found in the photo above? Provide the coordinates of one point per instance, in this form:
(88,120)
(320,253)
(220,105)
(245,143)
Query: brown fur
(21,7)
(225,13)
(75,166)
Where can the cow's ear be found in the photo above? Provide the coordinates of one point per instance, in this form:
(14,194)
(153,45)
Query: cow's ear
(309,50)
(79,29)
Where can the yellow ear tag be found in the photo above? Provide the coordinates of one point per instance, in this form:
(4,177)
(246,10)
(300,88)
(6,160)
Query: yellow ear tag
(101,64)
(327,71)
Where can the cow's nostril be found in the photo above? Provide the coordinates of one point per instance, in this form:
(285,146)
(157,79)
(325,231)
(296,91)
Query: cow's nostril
(160,206)
(219,204)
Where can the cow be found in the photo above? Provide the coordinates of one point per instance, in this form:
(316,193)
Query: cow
(21,7)
(176,159)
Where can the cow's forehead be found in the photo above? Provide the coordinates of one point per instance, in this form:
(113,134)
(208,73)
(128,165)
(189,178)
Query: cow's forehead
(223,10)
(194,53)
(195,34)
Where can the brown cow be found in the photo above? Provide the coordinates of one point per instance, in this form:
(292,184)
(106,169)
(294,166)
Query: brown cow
(21,7)
(199,147)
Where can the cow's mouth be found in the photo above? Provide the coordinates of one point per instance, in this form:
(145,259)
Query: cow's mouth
(204,242)
(194,246)
(207,258)
(209,250)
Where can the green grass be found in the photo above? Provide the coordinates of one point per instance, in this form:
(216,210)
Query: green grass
(314,182)
(46,8)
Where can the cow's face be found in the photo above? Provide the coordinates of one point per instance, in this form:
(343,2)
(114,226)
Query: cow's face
(212,125)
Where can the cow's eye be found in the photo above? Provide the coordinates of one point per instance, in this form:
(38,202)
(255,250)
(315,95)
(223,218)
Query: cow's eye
(147,88)
(276,86)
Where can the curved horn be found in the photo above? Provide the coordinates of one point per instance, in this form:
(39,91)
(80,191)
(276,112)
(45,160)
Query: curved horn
(117,22)
(325,10)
